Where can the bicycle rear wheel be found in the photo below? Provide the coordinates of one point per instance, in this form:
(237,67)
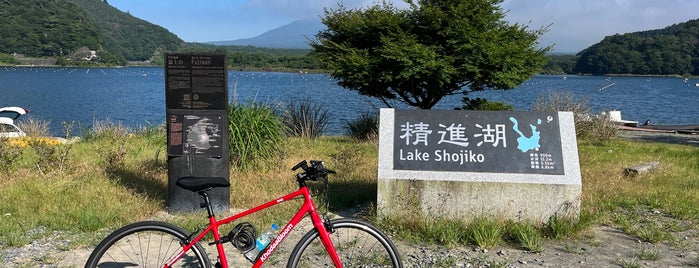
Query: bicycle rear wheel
(357,243)
(146,244)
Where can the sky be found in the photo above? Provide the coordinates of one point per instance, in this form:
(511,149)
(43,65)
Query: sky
(573,25)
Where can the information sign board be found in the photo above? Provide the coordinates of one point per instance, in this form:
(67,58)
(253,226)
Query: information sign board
(196,134)
(195,81)
(477,141)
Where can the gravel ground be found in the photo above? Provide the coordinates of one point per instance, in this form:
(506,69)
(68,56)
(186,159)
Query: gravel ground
(604,247)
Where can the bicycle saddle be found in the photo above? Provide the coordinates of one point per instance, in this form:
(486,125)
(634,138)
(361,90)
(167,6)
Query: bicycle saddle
(196,184)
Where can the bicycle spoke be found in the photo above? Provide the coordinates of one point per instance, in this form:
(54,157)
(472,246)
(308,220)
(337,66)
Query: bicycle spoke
(357,245)
(148,244)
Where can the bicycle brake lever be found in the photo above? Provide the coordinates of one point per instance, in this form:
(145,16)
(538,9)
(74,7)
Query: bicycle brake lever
(301,164)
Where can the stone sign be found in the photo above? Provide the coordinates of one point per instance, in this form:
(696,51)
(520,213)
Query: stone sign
(466,164)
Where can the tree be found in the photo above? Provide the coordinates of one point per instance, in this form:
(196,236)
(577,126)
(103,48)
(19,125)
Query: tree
(433,49)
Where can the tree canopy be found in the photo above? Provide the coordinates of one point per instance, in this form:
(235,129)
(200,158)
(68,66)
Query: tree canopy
(433,49)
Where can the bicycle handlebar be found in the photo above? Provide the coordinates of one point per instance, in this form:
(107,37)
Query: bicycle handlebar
(313,172)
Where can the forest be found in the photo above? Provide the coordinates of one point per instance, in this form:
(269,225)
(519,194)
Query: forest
(673,50)
(45,28)
(60,28)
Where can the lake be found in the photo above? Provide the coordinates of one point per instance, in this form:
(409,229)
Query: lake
(135,96)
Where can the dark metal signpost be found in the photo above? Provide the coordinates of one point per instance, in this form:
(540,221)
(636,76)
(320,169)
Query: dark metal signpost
(196,97)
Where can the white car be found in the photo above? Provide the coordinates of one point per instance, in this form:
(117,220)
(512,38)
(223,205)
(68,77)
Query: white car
(8,115)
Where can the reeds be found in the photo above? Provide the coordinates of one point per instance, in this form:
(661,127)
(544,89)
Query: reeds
(306,119)
(255,134)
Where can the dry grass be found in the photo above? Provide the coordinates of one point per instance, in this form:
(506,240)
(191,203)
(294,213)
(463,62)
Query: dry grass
(671,189)
(34,127)
(87,197)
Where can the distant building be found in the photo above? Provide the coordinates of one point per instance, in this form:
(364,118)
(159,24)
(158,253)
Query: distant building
(83,53)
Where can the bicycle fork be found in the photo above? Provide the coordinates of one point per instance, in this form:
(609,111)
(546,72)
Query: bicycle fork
(324,230)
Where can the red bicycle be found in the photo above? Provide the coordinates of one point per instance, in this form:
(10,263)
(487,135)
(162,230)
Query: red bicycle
(342,242)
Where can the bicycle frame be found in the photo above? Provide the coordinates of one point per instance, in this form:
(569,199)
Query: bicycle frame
(308,207)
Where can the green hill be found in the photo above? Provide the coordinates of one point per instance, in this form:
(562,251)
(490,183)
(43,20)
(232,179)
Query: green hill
(673,50)
(45,28)
(126,35)
(59,28)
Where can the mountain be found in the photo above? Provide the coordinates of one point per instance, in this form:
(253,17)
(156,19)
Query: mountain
(45,28)
(673,50)
(295,35)
(126,35)
(57,28)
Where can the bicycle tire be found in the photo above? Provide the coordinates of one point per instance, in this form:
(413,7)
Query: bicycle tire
(357,243)
(146,244)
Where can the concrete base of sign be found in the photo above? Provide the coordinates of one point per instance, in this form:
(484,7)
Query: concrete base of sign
(466,201)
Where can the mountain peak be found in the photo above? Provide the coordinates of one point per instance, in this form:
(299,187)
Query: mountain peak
(295,35)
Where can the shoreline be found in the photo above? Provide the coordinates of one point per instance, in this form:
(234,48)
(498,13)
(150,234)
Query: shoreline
(661,137)
(293,70)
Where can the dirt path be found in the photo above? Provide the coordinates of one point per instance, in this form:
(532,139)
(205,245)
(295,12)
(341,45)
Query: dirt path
(602,247)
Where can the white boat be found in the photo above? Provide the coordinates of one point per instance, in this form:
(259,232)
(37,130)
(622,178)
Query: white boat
(8,115)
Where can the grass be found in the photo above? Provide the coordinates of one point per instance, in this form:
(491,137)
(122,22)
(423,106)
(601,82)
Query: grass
(647,254)
(633,263)
(562,227)
(527,236)
(485,233)
(112,179)
(649,206)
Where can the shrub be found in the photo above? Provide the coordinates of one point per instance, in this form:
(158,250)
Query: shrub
(255,133)
(306,119)
(107,129)
(34,127)
(485,105)
(50,156)
(599,128)
(8,154)
(364,128)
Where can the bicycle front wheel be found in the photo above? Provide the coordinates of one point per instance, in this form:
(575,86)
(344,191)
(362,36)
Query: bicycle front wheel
(146,244)
(357,243)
